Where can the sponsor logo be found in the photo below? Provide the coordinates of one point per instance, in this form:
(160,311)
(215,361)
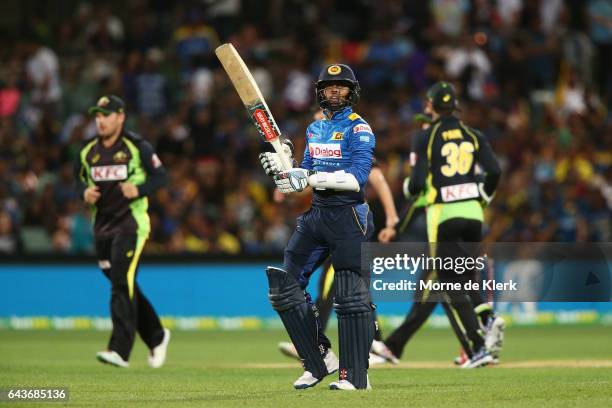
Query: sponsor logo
(325,151)
(155,161)
(334,70)
(337,136)
(312,135)
(364,139)
(363,127)
(109,173)
(95,159)
(120,157)
(265,128)
(459,192)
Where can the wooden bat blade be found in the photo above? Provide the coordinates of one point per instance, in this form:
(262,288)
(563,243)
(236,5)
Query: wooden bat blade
(253,100)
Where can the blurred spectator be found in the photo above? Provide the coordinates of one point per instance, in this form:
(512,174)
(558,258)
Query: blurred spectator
(532,74)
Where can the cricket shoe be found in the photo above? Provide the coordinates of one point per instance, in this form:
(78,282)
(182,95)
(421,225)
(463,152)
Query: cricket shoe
(380,349)
(375,360)
(157,357)
(494,335)
(288,349)
(111,357)
(480,359)
(345,385)
(308,380)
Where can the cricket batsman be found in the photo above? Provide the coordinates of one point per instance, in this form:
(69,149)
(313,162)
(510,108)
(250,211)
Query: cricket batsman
(337,162)
(115,173)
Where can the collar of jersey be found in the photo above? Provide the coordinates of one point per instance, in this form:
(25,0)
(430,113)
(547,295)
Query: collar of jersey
(342,114)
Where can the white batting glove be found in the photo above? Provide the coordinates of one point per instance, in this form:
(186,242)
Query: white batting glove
(270,161)
(292,180)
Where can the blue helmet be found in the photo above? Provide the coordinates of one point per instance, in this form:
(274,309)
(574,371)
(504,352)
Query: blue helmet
(337,73)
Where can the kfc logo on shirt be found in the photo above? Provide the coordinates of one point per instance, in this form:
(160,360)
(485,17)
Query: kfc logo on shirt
(109,173)
(325,151)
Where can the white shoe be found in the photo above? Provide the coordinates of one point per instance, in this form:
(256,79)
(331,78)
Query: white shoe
(345,385)
(112,358)
(288,349)
(380,349)
(157,357)
(376,360)
(308,380)
(494,337)
(480,359)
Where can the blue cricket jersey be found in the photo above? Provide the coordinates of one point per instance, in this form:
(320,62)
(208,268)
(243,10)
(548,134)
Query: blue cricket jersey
(344,142)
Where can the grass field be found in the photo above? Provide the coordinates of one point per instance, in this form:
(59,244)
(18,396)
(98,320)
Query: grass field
(541,366)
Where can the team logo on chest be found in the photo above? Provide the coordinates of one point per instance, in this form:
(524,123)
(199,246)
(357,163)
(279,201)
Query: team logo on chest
(120,157)
(337,136)
(116,172)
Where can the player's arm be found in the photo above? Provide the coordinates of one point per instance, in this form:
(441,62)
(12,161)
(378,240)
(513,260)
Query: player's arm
(489,164)
(80,177)
(156,174)
(378,181)
(89,194)
(418,161)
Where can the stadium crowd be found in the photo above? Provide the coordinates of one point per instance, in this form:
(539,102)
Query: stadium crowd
(536,76)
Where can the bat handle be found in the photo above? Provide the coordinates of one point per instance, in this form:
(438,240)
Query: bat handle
(278,148)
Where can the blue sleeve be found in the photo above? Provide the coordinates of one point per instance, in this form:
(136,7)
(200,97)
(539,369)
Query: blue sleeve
(361,145)
(307,161)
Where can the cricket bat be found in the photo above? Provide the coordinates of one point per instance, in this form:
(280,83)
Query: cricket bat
(252,98)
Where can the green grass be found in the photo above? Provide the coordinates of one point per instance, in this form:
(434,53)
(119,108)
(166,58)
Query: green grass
(229,369)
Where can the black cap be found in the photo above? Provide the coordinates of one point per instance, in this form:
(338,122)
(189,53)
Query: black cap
(443,96)
(108,104)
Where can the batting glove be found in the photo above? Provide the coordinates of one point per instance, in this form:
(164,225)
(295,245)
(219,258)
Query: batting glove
(270,161)
(292,180)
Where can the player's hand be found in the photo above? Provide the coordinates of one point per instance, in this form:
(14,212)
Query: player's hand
(270,161)
(485,199)
(129,190)
(91,194)
(292,180)
(387,234)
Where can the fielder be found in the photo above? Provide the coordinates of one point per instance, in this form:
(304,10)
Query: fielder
(337,162)
(444,167)
(425,302)
(115,173)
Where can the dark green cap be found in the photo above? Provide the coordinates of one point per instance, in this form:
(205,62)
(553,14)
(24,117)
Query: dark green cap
(108,104)
(443,96)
